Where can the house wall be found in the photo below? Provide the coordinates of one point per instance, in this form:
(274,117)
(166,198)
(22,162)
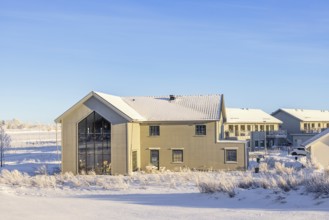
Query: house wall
(289,123)
(119,141)
(199,152)
(298,139)
(320,152)
(69,138)
(133,132)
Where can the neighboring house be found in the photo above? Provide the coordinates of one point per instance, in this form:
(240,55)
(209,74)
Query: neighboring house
(241,122)
(255,125)
(118,135)
(302,124)
(318,146)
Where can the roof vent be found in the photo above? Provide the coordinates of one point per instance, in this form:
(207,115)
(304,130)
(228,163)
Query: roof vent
(172,97)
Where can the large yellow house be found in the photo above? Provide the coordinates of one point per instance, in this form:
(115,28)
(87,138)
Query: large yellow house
(108,134)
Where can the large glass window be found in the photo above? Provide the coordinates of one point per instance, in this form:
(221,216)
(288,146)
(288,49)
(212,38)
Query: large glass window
(94,145)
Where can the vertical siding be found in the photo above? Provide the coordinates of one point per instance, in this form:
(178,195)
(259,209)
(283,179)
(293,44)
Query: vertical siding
(289,123)
(69,138)
(133,132)
(320,152)
(119,149)
(200,152)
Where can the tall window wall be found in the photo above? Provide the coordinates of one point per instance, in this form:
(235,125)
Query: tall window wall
(94,145)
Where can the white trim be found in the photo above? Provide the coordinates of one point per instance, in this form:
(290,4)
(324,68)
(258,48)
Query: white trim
(153,148)
(177,148)
(231,148)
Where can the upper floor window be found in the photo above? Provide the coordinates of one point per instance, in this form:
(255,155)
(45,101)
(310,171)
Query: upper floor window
(154,130)
(200,130)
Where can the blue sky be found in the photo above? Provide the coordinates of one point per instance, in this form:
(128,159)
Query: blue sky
(259,54)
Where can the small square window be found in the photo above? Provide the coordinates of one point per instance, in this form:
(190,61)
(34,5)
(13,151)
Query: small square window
(200,130)
(231,155)
(154,130)
(177,156)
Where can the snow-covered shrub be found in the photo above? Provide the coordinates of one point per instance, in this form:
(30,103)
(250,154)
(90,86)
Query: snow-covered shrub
(263,167)
(42,170)
(151,169)
(281,169)
(246,181)
(210,185)
(15,178)
(318,183)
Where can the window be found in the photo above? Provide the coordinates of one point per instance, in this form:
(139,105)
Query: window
(230,128)
(248,128)
(256,127)
(94,145)
(231,155)
(177,156)
(243,127)
(155,130)
(272,128)
(200,130)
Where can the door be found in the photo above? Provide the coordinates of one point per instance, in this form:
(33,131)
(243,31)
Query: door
(135,161)
(155,158)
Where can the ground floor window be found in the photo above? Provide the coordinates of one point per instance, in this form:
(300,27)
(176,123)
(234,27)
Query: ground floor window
(231,155)
(154,154)
(177,156)
(94,145)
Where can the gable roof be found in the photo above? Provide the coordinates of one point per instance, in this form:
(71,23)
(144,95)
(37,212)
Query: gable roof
(182,108)
(306,115)
(247,115)
(315,138)
(161,108)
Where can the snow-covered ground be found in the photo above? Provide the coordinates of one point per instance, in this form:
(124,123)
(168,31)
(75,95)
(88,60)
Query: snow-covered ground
(166,195)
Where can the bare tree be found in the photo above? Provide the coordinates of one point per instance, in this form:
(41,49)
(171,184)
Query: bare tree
(5,141)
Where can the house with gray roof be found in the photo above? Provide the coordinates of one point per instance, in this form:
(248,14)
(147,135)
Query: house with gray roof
(109,134)
(302,124)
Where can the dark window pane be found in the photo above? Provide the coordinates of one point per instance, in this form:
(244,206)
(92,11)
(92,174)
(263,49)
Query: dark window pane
(231,155)
(94,145)
(155,158)
(200,129)
(154,131)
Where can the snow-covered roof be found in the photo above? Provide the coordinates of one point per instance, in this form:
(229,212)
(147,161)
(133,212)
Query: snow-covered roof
(247,115)
(315,138)
(307,115)
(182,108)
(121,105)
(160,108)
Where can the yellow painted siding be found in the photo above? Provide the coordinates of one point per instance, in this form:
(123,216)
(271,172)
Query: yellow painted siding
(133,144)
(200,152)
(69,138)
(119,149)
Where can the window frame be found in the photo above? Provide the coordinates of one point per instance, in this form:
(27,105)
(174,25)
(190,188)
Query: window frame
(202,132)
(173,155)
(226,155)
(152,132)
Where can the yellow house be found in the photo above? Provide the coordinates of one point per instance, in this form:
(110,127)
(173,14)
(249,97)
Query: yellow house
(241,122)
(108,134)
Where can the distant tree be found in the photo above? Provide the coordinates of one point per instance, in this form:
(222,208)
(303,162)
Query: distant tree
(5,141)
